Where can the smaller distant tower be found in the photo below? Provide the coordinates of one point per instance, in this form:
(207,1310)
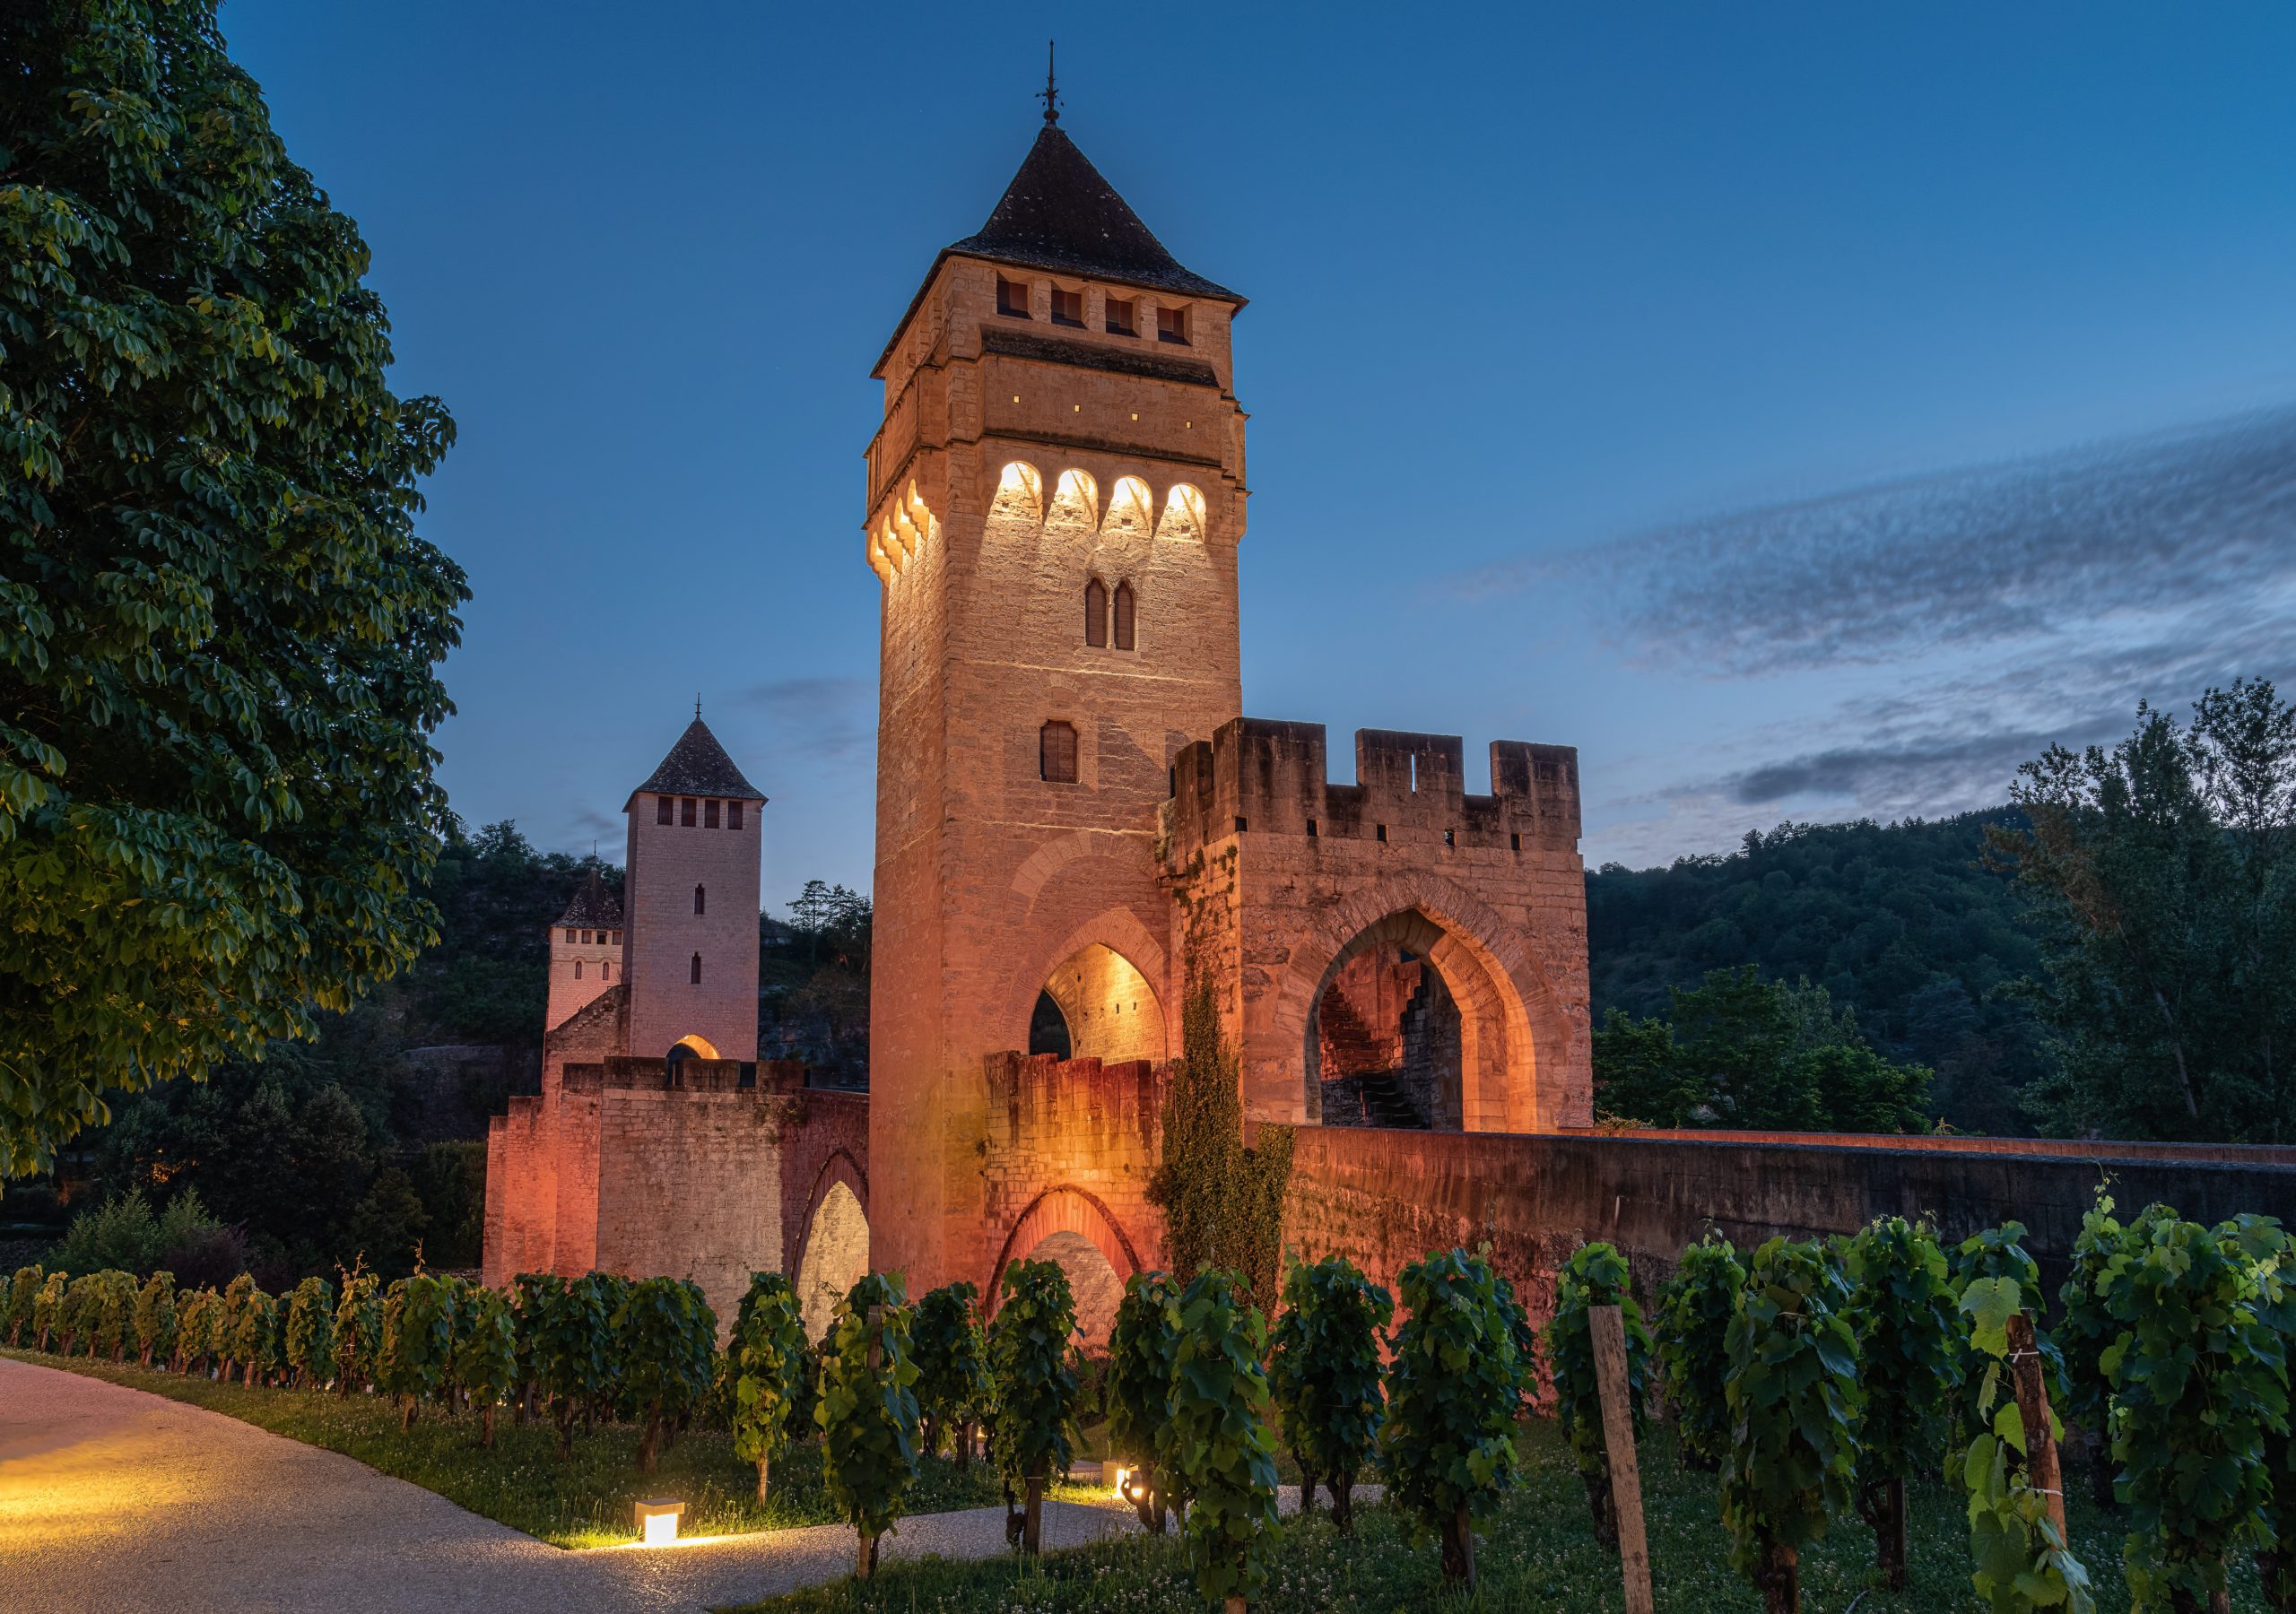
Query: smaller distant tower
(585,950)
(690,900)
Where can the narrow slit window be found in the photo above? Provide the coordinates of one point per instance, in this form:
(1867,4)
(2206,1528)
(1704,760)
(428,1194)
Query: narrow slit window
(606,970)
(1124,615)
(1382,832)
(699,903)
(1121,321)
(578,969)
(1057,753)
(1013,297)
(1096,614)
(693,971)
(1069,307)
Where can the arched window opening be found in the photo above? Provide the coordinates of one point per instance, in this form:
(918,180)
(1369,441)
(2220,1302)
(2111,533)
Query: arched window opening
(1020,491)
(699,904)
(1183,513)
(1048,1029)
(1131,508)
(578,969)
(1096,614)
(674,1064)
(606,970)
(693,971)
(1124,614)
(1075,499)
(1056,753)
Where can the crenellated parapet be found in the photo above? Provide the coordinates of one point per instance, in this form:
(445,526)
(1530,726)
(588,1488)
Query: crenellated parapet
(1258,776)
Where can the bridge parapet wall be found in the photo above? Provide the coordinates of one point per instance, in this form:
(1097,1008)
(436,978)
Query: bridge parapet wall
(1384,1198)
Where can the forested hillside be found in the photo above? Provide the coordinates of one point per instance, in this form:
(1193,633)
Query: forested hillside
(1902,924)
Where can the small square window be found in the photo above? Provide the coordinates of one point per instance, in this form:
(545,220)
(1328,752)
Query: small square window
(1069,307)
(685,811)
(1013,297)
(569,937)
(733,815)
(709,814)
(661,810)
(1120,319)
(1171,325)
(1240,825)
(1057,753)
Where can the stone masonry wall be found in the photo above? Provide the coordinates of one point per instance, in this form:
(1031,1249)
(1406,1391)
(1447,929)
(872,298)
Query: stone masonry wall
(1383,1198)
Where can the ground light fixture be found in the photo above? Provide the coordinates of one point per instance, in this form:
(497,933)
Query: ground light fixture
(658,1520)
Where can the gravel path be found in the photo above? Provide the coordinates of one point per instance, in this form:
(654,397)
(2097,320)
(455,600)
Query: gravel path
(117,1499)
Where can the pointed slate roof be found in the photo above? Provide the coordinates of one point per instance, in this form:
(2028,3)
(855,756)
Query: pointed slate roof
(592,905)
(698,766)
(1060,214)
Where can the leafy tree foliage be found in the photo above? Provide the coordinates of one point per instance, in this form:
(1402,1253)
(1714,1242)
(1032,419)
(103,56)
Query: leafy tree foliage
(2022,1560)
(1594,1275)
(814,983)
(2200,1384)
(1223,1203)
(1738,1051)
(1034,1372)
(1325,1376)
(1903,1309)
(951,1352)
(1793,1396)
(1904,924)
(868,1411)
(1144,1348)
(220,670)
(1448,1446)
(311,1332)
(667,1337)
(1692,1324)
(2161,876)
(766,1353)
(1217,1439)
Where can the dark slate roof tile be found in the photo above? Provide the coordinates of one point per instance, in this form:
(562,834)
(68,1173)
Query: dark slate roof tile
(698,766)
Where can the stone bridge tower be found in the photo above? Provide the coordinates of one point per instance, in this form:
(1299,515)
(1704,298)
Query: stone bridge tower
(1055,499)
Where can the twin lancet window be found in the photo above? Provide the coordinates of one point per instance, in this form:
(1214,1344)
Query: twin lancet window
(1096,615)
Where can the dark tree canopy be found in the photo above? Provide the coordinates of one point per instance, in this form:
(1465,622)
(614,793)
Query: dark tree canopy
(219,634)
(2161,876)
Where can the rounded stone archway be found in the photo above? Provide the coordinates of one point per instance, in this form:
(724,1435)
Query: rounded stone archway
(1073,1228)
(1104,1007)
(835,1258)
(1095,1283)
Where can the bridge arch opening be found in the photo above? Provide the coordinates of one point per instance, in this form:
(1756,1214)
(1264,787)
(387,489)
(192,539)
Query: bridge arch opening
(1070,1226)
(835,1258)
(1414,1026)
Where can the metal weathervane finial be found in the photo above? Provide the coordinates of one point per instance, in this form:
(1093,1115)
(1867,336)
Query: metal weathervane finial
(1050,94)
(697,708)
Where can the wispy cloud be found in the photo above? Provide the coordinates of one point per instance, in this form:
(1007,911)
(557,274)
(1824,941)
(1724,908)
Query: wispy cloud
(2194,519)
(831,718)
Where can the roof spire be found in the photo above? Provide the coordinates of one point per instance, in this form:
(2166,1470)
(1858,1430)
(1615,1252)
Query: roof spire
(1050,94)
(697,706)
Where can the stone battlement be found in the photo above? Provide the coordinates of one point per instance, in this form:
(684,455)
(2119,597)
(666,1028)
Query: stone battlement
(1259,777)
(626,1073)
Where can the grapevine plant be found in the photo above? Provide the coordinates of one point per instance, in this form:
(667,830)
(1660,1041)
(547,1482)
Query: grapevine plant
(1448,1446)
(1143,1343)
(1792,1394)
(667,1339)
(484,1356)
(1034,1373)
(155,1318)
(311,1332)
(254,1342)
(1325,1378)
(1217,1437)
(197,1321)
(572,1350)
(2086,1329)
(24,1291)
(2200,1385)
(48,1305)
(115,1314)
(418,1333)
(1594,1275)
(83,1299)
(765,1354)
(2022,1560)
(1908,1361)
(952,1389)
(358,1337)
(1692,1321)
(868,1411)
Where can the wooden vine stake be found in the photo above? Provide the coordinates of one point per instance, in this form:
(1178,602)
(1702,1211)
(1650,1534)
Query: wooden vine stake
(867,1558)
(1609,1329)
(2032,1409)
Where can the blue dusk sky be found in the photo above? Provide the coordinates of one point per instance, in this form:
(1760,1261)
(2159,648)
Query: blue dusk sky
(1806,411)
